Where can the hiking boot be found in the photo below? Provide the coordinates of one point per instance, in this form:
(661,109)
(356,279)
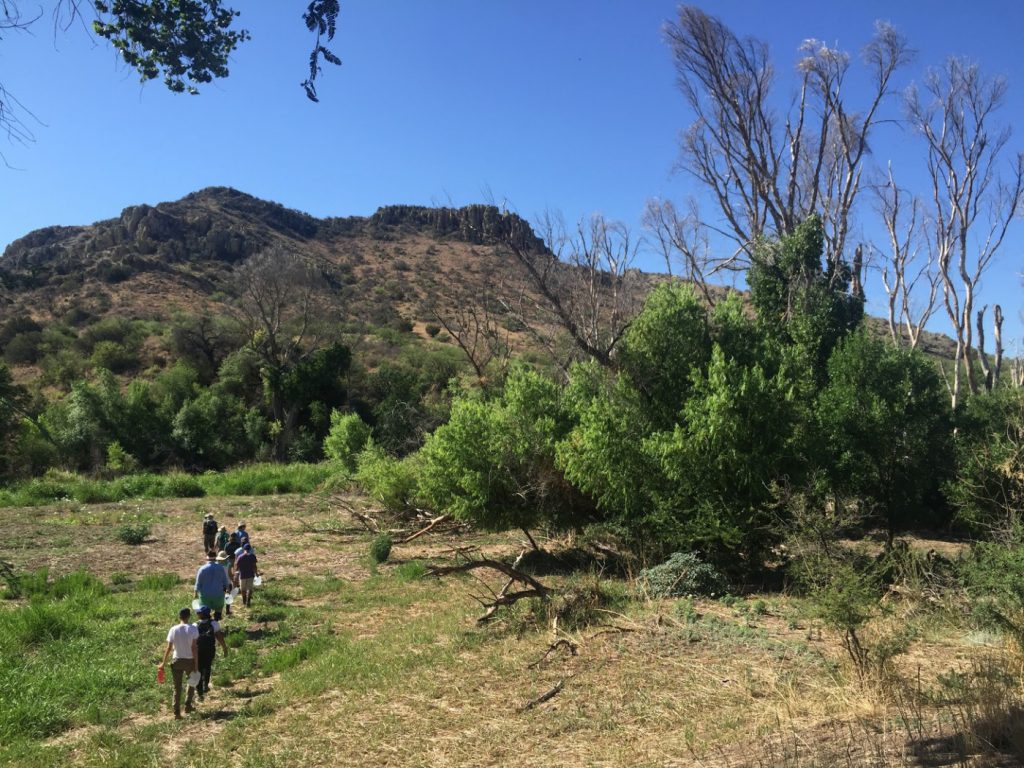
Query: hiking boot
(189,709)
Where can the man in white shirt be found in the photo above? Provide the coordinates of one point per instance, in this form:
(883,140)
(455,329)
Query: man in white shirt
(181,640)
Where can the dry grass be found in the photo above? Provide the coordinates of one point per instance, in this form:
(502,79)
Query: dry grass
(409,680)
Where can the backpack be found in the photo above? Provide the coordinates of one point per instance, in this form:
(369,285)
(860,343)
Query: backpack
(207,642)
(209,526)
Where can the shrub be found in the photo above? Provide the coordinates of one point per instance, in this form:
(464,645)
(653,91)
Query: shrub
(133,533)
(114,357)
(683,574)
(347,437)
(23,349)
(119,460)
(391,481)
(432,329)
(380,548)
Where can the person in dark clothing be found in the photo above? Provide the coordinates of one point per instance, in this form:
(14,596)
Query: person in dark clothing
(245,566)
(231,549)
(210,633)
(209,532)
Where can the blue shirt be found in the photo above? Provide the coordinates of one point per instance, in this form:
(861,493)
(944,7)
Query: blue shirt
(212,579)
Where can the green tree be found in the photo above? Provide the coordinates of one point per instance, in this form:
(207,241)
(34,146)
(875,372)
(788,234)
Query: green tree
(347,437)
(211,431)
(885,424)
(988,489)
(493,463)
(801,303)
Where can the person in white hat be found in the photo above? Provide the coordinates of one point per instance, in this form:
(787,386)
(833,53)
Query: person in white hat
(182,641)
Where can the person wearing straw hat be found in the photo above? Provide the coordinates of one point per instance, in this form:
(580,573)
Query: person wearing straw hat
(181,641)
(209,532)
(210,633)
(222,538)
(212,583)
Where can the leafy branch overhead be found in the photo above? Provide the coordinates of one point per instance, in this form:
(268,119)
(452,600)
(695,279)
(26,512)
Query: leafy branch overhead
(187,43)
(321,17)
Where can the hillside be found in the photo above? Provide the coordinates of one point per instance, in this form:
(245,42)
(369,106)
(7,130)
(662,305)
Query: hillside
(152,261)
(394,268)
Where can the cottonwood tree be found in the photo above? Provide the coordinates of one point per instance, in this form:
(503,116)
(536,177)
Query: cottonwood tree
(580,282)
(911,278)
(277,309)
(768,170)
(187,43)
(975,192)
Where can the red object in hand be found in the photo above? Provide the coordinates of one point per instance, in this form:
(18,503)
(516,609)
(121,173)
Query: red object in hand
(159,674)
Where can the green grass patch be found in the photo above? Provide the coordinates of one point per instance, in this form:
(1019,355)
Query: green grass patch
(158,582)
(252,480)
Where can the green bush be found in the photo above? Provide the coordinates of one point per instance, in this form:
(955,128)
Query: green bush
(347,437)
(133,533)
(114,357)
(988,490)
(380,548)
(390,481)
(682,575)
(119,460)
(158,582)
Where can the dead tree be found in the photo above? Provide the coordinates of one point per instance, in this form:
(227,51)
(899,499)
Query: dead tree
(470,317)
(682,240)
(506,597)
(277,310)
(973,202)
(581,283)
(768,172)
(911,281)
(991,372)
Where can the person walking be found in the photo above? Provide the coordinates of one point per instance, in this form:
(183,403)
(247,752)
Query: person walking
(181,641)
(222,538)
(209,634)
(245,566)
(211,584)
(209,532)
(243,535)
(225,562)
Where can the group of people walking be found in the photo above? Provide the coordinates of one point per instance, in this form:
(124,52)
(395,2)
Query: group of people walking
(231,565)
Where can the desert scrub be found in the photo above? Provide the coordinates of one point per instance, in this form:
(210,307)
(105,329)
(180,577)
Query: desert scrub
(684,573)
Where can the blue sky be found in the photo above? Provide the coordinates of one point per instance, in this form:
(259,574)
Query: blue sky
(558,104)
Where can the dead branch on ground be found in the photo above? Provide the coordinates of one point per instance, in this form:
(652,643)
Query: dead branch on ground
(503,598)
(422,531)
(547,695)
(561,642)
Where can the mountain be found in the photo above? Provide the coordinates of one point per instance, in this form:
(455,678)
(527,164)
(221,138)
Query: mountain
(154,260)
(394,268)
